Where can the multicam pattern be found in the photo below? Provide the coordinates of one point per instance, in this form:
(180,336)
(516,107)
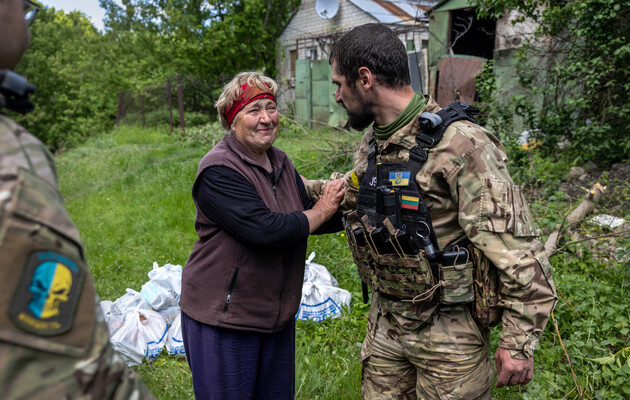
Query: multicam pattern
(469,192)
(457,283)
(79,363)
(446,358)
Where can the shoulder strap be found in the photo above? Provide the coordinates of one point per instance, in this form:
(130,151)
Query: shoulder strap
(14,92)
(432,128)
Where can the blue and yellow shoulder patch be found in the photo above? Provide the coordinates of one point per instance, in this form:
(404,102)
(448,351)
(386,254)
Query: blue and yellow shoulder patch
(48,294)
(399,178)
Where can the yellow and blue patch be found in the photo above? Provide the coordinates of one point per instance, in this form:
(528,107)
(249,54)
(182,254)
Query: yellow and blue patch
(399,178)
(48,294)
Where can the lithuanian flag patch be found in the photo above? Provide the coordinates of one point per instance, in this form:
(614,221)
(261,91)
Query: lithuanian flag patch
(409,202)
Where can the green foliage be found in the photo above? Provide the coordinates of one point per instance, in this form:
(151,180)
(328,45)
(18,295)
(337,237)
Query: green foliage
(207,135)
(71,101)
(209,40)
(578,65)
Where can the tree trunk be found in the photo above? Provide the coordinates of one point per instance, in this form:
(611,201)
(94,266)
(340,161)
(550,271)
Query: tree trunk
(180,100)
(170,103)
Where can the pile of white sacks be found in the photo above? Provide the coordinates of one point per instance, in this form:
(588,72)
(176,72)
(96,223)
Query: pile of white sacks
(142,324)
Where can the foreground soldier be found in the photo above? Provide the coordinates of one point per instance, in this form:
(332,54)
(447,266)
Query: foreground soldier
(53,339)
(431,218)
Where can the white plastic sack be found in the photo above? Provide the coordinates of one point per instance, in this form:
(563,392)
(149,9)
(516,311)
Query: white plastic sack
(142,336)
(321,296)
(164,286)
(131,300)
(174,339)
(170,314)
(106,306)
(113,321)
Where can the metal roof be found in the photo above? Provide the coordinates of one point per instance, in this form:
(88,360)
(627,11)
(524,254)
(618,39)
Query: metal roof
(399,12)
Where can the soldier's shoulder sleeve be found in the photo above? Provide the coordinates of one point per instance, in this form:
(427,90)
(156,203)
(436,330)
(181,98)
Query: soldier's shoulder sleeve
(494,214)
(24,150)
(51,326)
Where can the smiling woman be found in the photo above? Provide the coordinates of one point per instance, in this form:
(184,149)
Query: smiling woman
(242,284)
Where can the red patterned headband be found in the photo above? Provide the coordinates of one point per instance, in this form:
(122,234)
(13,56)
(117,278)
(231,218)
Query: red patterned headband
(250,93)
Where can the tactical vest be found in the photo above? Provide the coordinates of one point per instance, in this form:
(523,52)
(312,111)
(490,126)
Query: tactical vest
(391,235)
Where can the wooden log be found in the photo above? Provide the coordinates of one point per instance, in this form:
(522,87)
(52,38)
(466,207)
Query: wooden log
(593,196)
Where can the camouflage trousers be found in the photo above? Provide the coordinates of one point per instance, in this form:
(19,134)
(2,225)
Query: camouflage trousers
(446,358)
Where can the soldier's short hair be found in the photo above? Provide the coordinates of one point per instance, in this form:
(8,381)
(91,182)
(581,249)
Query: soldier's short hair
(376,47)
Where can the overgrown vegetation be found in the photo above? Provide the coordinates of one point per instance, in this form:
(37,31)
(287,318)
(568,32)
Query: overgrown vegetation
(573,75)
(129,193)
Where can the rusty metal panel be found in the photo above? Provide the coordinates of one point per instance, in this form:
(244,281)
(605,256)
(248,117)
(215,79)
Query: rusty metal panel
(456,80)
(303,102)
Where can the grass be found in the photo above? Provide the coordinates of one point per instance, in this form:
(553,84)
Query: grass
(129,193)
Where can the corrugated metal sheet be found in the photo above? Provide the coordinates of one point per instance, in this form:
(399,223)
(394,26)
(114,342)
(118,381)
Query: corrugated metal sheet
(394,12)
(322,85)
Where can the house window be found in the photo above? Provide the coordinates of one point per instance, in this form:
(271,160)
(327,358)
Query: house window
(311,53)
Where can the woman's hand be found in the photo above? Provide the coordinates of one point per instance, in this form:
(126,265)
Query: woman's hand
(327,204)
(330,198)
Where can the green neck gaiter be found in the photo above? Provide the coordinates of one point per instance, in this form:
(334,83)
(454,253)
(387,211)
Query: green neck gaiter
(414,107)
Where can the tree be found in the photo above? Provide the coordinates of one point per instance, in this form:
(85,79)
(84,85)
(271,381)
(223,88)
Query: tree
(64,62)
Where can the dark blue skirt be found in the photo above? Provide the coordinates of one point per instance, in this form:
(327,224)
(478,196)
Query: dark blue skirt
(233,364)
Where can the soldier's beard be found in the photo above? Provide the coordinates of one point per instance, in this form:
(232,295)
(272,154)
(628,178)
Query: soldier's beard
(361,119)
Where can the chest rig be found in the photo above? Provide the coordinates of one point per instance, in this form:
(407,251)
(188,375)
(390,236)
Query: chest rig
(391,235)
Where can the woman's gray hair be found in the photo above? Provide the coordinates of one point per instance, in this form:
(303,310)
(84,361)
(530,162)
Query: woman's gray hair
(232,91)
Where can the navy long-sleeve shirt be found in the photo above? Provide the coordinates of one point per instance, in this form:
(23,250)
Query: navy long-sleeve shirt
(227,198)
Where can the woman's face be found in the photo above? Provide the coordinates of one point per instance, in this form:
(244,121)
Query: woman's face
(256,125)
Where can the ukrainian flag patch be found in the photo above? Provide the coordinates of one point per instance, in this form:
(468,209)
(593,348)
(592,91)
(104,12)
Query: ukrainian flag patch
(399,178)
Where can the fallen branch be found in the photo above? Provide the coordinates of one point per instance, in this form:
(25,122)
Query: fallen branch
(587,205)
(594,238)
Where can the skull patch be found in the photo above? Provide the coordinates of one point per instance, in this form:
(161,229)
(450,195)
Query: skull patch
(48,294)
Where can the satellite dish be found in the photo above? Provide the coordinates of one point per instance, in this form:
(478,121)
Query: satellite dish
(327,8)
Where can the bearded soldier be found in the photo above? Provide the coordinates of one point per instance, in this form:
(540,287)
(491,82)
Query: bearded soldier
(439,232)
(53,339)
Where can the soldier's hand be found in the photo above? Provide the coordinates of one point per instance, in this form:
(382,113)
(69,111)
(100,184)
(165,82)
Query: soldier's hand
(511,371)
(329,200)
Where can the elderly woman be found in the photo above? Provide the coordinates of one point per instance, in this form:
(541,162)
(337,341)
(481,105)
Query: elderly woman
(242,284)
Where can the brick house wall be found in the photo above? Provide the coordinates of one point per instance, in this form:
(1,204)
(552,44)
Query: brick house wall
(308,36)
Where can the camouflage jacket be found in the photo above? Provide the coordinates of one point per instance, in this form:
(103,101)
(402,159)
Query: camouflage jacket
(53,339)
(468,190)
